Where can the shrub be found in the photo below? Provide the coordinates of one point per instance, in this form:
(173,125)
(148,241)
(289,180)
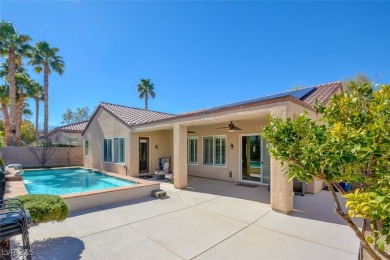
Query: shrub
(45,208)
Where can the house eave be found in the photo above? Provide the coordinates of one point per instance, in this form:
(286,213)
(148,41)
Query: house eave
(231,108)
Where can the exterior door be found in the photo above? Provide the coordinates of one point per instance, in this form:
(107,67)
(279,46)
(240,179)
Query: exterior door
(255,160)
(144,154)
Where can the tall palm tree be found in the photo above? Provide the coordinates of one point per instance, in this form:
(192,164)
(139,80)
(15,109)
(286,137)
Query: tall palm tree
(23,85)
(145,88)
(46,59)
(4,101)
(36,93)
(14,46)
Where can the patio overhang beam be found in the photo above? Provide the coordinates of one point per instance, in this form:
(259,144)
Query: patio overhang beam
(202,115)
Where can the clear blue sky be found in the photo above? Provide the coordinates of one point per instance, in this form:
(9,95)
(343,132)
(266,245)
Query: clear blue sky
(201,54)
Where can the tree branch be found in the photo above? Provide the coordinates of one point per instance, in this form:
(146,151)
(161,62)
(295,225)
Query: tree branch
(339,211)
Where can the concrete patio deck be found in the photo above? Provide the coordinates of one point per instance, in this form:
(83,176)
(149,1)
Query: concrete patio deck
(208,220)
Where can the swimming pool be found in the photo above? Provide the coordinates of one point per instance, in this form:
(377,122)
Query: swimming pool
(69,181)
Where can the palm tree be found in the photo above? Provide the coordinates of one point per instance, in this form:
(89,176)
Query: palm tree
(4,100)
(45,59)
(14,46)
(36,93)
(145,88)
(23,85)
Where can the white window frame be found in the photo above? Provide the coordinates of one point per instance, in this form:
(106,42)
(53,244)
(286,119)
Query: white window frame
(119,154)
(196,147)
(113,157)
(104,154)
(86,148)
(220,150)
(212,150)
(214,137)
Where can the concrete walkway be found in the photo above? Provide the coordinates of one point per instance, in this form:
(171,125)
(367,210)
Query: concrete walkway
(209,220)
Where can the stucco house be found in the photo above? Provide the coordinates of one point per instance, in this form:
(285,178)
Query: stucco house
(222,142)
(68,134)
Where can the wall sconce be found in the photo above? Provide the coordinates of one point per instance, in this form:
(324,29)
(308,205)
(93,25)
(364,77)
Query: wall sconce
(231,146)
(156,147)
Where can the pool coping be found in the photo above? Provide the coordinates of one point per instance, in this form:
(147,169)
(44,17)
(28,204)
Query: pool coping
(144,186)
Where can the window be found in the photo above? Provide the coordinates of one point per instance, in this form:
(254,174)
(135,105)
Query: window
(220,151)
(192,150)
(119,150)
(86,148)
(108,150)
(214,150)
(114,150)
(208,150)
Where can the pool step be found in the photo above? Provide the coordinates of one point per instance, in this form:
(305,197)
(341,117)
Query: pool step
(159,193)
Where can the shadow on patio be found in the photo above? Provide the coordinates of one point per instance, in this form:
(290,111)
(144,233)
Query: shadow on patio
(318,206)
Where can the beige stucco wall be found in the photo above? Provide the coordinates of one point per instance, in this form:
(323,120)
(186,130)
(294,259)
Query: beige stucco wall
(163,139)
(233,157)
(104,125)
(57,156)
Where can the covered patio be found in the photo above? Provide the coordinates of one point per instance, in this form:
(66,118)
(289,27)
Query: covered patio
(210,219)
(202,144)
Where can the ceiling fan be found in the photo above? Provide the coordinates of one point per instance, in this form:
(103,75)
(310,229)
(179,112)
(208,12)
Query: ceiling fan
(231,127)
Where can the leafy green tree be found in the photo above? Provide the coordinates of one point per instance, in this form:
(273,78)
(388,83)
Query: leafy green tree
(27,132)
(14,46)
(145,88)
(353,145)
(81,114)
(46,59)
(359,78)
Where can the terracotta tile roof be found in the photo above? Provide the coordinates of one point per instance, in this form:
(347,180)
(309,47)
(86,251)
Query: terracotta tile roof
(322,93)
(133,116)
(136,116)
(75,127)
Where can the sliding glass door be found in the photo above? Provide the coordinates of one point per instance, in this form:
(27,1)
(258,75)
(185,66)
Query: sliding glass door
(255,160)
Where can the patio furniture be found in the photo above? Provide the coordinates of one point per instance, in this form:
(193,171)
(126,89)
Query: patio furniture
(299,187)
(15,220)
(163,172)
(160,171)
(16,166)
(169,177)
(18,170)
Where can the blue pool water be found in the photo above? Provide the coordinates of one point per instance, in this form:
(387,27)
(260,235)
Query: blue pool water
(67,181)
(255,165)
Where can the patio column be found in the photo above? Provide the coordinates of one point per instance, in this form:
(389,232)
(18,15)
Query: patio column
(282,195)
(180,156)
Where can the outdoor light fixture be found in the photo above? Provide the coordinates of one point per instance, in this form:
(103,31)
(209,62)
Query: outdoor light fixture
(231,146)
(156,147)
